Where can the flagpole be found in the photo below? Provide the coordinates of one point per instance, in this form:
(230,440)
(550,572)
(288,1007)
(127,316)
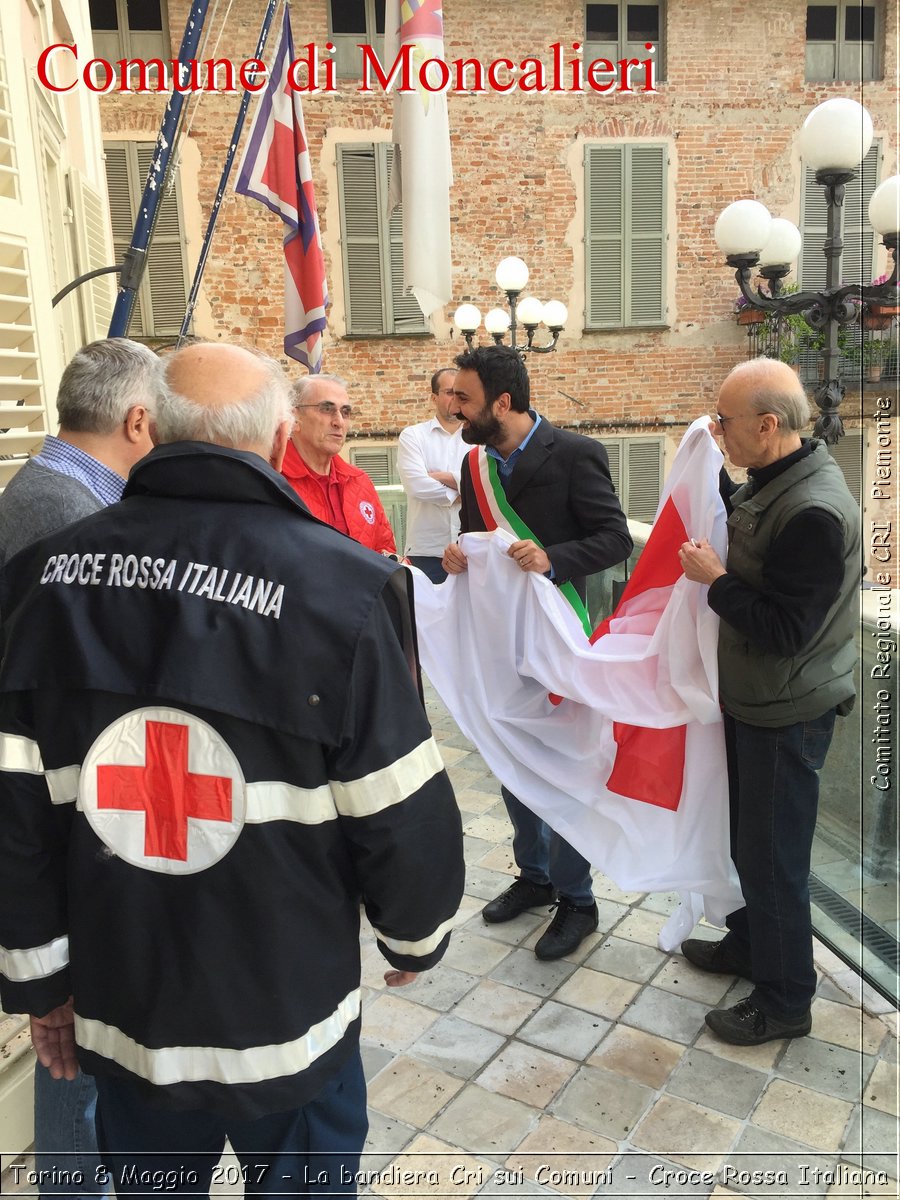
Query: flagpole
(223,181)
(136,255)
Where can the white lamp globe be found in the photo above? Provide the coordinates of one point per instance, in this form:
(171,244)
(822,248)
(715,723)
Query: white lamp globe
(467,318)
(555,314)
(512,274)
(529,311)
(836,135)
(497,321)
(743,227)
(884,207)
(783,244)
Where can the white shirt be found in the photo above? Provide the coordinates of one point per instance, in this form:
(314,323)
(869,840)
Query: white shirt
(432,514)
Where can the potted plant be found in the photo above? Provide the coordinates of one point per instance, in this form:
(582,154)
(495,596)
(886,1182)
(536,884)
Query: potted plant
(746,313)
(877,315)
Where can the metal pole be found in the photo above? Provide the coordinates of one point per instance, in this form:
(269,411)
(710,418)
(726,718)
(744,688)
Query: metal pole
(223,181)
(136,254)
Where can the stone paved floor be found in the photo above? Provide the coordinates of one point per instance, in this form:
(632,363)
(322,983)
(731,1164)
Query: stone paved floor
(497,1075)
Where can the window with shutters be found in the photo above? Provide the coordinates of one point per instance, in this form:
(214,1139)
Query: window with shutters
(372,245)
(22,424)
(352,23)
(636,467)
(843,41)
(857,257)
(9,171)
(161,299)
(625,235)
(380,464)
(129,29)
(623,30)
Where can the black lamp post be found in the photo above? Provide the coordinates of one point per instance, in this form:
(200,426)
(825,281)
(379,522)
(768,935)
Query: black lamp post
(511,276)
(835,137)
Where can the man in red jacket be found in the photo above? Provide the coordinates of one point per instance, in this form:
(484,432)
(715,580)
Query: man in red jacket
(332,489)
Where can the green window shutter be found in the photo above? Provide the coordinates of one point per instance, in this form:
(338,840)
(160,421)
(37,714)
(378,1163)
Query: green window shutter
(646,236)
(378,462)
(643,478)
(358,196)
(625,235)
(161,299)
(121,215)
(604,247)
(373,245)
(164,286)
(613,448)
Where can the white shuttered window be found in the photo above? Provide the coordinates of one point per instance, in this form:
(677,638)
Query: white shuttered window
(372,245)
(625,235)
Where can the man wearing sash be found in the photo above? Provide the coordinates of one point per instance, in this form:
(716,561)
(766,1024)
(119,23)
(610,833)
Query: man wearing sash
(552,490)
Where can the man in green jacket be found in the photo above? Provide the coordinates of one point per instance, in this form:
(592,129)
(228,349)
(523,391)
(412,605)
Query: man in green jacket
(788,602)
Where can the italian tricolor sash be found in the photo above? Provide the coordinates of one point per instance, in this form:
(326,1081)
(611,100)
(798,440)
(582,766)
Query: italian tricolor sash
(497,513)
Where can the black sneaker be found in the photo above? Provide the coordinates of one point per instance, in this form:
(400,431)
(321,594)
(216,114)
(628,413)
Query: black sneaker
(568,929)
(747,1025)
(714,957)
(518,898)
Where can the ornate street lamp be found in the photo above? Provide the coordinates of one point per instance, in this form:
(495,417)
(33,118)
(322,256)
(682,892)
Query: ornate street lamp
(835,137)
(511,276)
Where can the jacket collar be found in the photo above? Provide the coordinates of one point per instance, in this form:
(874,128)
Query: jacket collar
(200,471)
(294,467)
(533,458)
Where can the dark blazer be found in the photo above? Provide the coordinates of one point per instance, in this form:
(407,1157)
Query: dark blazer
(562,490)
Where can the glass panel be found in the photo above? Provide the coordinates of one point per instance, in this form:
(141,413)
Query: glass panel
(379,17)
(348,16)
(103,14)
(821,22)
(144,14)
(859,24)
(602,22)
(643,22)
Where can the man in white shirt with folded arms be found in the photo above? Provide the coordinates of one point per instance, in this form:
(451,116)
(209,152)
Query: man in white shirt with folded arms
(429,460)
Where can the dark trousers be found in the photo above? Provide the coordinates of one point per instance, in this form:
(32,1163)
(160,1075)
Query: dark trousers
(773,788)
(542,856)
(308,1151)
(429,566)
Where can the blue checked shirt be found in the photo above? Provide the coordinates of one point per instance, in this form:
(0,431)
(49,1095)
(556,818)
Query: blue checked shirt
(67,459)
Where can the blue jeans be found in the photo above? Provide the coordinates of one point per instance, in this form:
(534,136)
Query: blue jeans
(773,788)
(542,856)
(429,566)
(65,1142)
(308,1151)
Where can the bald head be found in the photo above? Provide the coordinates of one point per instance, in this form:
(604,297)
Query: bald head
(225,395)
(766,385)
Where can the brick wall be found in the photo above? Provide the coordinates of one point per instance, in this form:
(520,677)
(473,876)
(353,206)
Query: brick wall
(729,109)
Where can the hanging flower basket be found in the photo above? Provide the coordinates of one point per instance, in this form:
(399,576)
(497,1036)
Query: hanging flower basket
(750,316)
(879,316)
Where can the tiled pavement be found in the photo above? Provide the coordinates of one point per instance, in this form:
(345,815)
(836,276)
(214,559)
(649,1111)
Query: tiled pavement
(498,1075)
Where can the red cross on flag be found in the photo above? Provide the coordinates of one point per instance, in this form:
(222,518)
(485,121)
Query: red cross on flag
(276,170)
(163,790)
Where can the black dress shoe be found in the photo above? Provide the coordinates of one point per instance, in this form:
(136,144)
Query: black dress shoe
(518,898)
(744,1024)
(568,929)
(715,957)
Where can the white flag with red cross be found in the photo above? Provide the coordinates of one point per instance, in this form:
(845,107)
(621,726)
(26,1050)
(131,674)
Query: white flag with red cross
(616,741)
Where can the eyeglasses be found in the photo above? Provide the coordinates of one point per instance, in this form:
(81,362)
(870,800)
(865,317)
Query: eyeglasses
(448,392)
(328,409)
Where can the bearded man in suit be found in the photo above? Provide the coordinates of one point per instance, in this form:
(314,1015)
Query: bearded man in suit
(553,488)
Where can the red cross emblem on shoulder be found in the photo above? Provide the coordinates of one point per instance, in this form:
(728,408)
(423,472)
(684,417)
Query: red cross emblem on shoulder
(163,790)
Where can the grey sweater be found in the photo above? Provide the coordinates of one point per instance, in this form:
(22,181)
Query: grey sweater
(38,501)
